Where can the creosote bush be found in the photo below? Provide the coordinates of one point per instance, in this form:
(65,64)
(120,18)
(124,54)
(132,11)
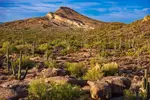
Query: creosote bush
(50,63)
(110,69)
(130,95)
(76,69)
(38,90)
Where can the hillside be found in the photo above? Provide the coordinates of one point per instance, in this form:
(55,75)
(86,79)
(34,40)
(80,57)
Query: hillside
(65,47)
(64,17)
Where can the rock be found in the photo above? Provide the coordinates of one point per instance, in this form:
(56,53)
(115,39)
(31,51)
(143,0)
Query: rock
(86,89)
(108,87)
(1,61)
(50,72)
(62,80)
(20,87)
(14,83)
(7,94)
(146,18)
(36,59)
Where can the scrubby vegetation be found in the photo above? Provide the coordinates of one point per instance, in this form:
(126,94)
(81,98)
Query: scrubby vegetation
(94,73)
(40,90)
(76,69)
(98,71)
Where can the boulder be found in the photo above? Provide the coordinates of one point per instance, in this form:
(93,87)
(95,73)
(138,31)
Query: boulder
(1,61)
(109,87)
(20,87)
(50,72)
(7,94)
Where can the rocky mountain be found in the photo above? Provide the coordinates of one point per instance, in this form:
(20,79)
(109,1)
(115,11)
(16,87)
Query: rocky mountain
(64,17)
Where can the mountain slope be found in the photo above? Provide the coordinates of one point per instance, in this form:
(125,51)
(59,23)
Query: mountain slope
(64,17)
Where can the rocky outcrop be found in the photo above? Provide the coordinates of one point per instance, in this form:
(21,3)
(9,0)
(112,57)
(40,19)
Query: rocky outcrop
(18,87)
(50,72)
(109,87)
(80,24)
(146,18)
(1,61)
(64,80)
(7,94)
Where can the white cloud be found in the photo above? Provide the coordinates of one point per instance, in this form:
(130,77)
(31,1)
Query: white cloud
(122,14)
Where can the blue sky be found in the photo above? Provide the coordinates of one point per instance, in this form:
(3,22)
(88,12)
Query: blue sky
(105,10)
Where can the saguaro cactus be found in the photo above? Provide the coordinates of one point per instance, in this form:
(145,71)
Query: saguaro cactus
(33,48)
(146,83)
(7,57)
(20,63)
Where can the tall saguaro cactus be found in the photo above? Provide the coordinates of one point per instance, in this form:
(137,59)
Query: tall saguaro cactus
(20,63)
(7,57)
(33,48)
(146,83)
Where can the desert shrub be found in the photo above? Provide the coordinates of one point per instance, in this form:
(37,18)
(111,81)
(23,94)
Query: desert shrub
(26,48)
(76,69)
(6,44)
(129,95)
(110,69)
(43,47)
(98,59)
(65,92)
(26,62)
(38,90)
(94,73)
(47,54)
(50,63)
(99,71)
(104,53)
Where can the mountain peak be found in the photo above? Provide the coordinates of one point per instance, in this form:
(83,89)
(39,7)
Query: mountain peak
(70,16)
(66,12)
(65,8)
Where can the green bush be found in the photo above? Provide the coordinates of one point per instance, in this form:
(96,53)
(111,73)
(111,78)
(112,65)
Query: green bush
(99,71)
(26,62)
(26,48)
(65,92)
(50,63)
(98,59)
(6,44)
(38,90)
(110,69)
(130,95)
(76,69)
(94,73)
(43,47)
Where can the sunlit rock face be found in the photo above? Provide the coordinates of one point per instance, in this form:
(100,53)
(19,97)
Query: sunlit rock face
(52,16)
(146,18)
